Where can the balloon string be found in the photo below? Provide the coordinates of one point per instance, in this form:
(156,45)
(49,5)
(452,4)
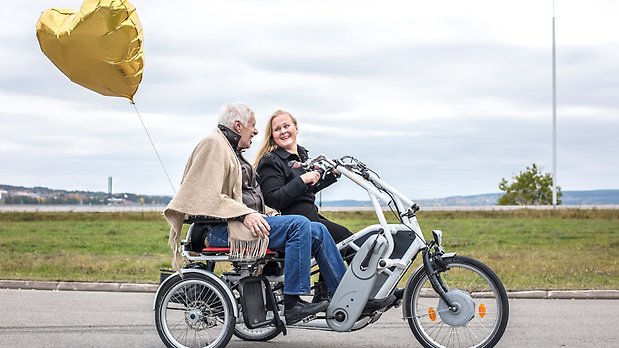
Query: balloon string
(154,148)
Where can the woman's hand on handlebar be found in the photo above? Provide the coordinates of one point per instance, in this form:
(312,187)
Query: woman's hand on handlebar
(310,178)
(256,223)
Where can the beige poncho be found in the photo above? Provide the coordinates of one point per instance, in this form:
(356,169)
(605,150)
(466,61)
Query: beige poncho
(211,186)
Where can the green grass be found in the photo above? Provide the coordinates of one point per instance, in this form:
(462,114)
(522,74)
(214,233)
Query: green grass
(83,246)
(529,249)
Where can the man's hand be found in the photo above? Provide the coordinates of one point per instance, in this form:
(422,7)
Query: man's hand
(258,226)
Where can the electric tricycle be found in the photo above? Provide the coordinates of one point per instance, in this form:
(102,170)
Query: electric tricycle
(448,301)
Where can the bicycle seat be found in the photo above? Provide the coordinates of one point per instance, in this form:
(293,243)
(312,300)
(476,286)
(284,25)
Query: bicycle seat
(198,232)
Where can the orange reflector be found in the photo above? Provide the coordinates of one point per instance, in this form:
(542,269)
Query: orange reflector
(482,310)
(432,314)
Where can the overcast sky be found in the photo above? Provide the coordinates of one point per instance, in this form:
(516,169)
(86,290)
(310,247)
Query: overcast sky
(441,98)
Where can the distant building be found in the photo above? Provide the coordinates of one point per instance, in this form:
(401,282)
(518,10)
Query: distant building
(117,201)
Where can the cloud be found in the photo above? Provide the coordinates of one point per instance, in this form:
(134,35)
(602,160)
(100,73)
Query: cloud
(441,98)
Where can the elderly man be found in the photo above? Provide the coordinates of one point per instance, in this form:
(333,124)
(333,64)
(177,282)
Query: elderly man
(219,182)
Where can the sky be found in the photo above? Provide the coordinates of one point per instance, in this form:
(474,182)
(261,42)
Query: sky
(440,98)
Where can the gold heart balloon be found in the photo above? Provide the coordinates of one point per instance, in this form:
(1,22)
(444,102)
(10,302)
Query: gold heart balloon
(98,47)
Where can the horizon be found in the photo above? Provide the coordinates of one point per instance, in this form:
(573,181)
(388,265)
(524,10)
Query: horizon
(330,200)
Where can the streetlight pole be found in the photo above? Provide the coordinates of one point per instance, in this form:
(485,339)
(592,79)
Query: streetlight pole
(554,112)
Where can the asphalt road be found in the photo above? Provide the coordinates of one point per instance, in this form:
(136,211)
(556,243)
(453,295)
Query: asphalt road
(42,318)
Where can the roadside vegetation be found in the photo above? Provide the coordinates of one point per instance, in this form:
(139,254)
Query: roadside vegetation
(529,249)
(529,187)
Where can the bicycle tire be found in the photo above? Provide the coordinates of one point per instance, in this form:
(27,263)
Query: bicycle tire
(474,286)
(194,311)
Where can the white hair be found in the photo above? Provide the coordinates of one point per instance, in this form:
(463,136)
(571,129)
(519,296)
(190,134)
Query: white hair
(237,111)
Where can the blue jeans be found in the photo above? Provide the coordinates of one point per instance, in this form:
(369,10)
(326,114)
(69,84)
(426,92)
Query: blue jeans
(299,239)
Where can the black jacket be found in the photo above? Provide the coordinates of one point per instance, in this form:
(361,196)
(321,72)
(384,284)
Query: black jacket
(282,186)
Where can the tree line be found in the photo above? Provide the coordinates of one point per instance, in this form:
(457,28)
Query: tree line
(41,195)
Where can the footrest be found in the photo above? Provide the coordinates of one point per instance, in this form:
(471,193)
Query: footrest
(256,300)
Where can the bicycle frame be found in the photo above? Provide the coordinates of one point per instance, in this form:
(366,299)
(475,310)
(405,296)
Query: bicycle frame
(373,274)
(371,184)
(378,191)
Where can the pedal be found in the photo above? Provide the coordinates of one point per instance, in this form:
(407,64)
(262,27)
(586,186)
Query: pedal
(309,318)
(324,317)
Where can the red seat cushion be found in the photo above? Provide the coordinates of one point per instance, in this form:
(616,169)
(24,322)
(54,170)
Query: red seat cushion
(211,249)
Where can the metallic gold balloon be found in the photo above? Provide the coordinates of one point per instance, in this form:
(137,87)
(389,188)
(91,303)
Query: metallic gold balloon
(99,47)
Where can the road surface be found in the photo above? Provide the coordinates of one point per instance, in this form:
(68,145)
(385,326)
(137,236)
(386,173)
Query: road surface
(42,318)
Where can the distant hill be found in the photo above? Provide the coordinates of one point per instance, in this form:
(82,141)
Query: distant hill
(474,200)
(43,195)
(593,197)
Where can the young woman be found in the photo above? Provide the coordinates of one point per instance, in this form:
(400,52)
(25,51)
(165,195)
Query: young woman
(286,188)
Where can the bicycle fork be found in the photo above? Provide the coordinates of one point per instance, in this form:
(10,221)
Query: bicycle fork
(434,265)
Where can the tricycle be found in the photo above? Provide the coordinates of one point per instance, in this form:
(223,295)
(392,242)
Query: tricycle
(448,301)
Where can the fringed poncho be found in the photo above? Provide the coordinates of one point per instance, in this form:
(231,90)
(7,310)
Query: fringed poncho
(211,186)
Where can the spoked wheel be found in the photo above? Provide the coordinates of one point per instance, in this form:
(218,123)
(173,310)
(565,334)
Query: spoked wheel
(482,309)
(261,334)
(194,311)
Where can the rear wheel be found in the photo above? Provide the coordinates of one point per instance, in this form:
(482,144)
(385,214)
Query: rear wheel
(482,306)
(194,311)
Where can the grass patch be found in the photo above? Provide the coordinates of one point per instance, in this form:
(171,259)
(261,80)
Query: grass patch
(529,249)
(83,246)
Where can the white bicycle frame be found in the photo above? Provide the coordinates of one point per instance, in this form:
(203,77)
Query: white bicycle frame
(409,222)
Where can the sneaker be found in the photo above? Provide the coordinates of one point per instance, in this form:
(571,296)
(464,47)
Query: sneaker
(303,309)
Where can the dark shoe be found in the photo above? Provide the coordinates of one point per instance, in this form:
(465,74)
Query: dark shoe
(303,309)
(399,293)
(321,293)
(374,305)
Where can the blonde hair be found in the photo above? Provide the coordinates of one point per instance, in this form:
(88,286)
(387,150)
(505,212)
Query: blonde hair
(268,143)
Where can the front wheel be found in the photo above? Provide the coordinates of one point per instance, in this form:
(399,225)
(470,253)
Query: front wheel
(482,309)
(194,311)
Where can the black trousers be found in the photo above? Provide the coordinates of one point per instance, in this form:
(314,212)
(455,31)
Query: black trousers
(339,233)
